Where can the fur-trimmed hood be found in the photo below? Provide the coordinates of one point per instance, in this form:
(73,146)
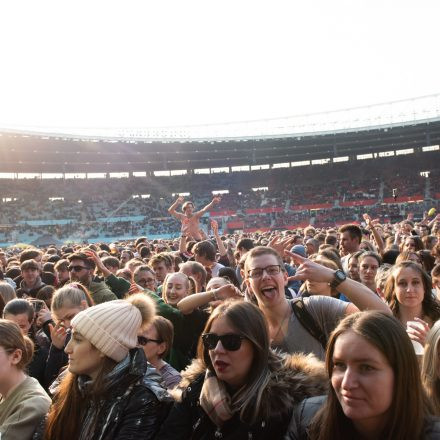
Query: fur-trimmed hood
(293,379)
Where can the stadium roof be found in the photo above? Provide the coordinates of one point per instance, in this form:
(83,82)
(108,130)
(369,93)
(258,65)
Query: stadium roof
(390,131)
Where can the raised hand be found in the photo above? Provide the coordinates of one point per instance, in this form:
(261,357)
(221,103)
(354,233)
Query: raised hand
(309,270)
(58,335)
(228,291)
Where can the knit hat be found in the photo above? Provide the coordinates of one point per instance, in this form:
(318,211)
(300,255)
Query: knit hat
(112,327)
(299,249)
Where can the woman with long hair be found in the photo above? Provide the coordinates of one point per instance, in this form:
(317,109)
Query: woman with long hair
(238,387)
(431,367)
(23,402)
(408,292)
(376,391)
(103,395)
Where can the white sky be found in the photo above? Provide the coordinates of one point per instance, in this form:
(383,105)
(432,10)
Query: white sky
(168,63)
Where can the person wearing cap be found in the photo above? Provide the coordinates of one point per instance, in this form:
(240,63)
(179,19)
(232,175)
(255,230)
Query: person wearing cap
(104,394)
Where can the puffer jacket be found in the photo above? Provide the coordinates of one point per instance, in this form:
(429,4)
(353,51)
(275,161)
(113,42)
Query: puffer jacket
(135,406)
(299,377)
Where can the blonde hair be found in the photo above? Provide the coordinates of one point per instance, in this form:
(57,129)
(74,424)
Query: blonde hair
(71,295)
(190,284)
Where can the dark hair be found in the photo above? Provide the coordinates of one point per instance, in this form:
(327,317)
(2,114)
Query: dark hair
(205,249)
(110,262)
(48,278)
(230,275)
(353,230)
(29,254)
(248,321)
(409,406)
(418,243)
(48,267)
(245,243)
(165,333)
(331,240)
(46,293)
(426,259)
(162,257)
(390,256)
(30,264)
(12,339)
(17,307)
(90,264)
(54,259)
(61,265)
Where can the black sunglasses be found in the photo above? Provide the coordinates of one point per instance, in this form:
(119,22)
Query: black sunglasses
(230,341)
(144,341)
(76,268)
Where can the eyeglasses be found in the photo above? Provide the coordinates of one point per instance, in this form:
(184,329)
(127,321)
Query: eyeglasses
(230,341)
(273,269)
(145,282)
(76,268)
(144,341)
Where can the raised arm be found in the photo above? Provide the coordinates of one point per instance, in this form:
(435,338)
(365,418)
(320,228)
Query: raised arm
(359,295)
(189,303)
(213,202)
(221,247)
(172,208)
(377,237)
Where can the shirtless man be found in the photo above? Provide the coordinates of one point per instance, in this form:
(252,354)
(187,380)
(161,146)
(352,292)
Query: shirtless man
(189,218)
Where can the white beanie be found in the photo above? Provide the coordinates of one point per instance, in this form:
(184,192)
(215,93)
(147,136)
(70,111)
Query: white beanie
(112,327)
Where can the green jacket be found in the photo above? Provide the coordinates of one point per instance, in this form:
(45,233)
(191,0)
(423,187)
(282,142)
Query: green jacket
(118,285)
(184,334)
(100,292)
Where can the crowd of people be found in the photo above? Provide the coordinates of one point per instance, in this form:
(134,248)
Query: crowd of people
(96,209)
(311,333)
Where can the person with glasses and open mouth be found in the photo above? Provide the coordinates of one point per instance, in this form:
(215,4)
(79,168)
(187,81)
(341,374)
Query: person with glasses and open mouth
(238,387)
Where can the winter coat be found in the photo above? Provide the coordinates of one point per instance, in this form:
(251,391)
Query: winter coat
(135,405)
(299,376)
(100,292)
(305,412)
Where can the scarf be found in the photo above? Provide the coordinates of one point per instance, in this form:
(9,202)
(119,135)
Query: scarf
(215,400)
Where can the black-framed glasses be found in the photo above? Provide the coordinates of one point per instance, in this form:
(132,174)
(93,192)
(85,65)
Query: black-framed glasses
(76,268)
(230,341)
(142,340)
(273,269)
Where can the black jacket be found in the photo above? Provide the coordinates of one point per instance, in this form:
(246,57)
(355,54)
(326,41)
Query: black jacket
(299,377)
(134,406)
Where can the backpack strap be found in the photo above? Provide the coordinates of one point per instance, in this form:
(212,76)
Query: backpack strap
(307,321)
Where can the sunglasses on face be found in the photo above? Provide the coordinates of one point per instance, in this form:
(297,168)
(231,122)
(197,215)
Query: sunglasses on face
(144,341)
(230,341)
(76,268)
